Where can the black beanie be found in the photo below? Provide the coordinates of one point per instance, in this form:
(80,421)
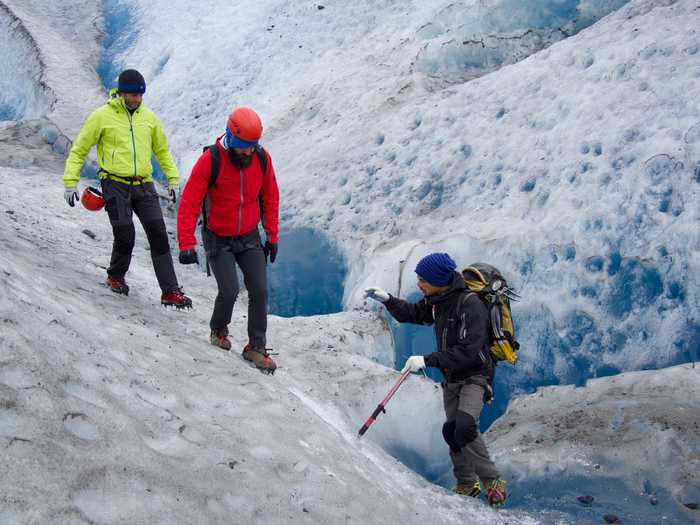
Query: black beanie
(131,81)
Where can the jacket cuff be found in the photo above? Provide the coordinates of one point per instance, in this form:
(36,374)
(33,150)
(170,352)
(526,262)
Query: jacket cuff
(390,300)
(432,360)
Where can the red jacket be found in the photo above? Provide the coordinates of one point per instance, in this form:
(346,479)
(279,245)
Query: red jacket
(234,201)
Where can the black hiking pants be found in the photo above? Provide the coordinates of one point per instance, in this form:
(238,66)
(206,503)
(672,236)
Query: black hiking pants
(246,251)
(121,202)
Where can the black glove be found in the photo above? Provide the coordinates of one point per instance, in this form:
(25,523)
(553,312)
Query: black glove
(173,190)
(188,257)
(270,250)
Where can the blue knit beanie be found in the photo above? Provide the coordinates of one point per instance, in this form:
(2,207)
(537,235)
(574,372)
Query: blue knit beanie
(436,268)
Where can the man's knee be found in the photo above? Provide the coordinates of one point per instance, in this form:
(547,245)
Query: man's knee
(227,290)
(228,293)
(448,434)
(124,237)
(466,429)
(157,237)
(257,293)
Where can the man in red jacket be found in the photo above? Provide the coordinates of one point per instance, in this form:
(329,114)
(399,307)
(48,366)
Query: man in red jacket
(243,192)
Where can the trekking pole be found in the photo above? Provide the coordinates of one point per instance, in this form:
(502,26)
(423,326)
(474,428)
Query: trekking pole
(382,404)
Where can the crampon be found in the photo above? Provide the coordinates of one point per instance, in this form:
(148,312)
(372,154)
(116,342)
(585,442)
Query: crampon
(260,359)
(176,298)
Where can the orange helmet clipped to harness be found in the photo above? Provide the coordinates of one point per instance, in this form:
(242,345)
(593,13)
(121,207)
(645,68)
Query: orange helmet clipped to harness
(92,199)
(243,128)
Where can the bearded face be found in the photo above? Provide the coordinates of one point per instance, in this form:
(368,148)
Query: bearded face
(241,158)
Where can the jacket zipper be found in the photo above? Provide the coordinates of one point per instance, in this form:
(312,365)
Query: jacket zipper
(133,140)
(444,330)
(240,207)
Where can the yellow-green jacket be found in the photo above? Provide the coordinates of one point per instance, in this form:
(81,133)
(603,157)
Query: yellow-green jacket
(125,143)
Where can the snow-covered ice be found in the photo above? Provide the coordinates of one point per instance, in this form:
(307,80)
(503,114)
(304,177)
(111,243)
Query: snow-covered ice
(116,410)
(575,170)
(631,441)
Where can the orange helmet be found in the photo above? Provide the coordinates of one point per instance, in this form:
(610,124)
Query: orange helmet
(92,199)
(243,128)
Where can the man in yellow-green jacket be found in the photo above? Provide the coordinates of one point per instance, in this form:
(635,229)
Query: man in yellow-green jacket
(126,134)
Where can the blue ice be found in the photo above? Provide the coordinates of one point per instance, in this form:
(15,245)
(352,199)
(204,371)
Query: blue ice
(308,276)
(21,95)
(120,33)
(467,41)
(7,112)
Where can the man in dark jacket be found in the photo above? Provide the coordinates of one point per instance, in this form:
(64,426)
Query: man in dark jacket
(462,329)
(244,193)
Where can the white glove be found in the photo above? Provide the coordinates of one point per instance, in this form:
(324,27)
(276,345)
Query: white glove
(377,294)
(173,190)
(71,196)
(414,363)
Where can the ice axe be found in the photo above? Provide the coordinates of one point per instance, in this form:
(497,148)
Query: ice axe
(382,404)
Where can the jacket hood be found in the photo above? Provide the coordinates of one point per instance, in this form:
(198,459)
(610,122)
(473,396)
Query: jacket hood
(116,102)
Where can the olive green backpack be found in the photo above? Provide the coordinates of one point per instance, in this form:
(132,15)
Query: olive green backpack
(488,283)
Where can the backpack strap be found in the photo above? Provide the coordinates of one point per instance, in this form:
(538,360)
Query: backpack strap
(460,306)
(465,295)
(262,158)
(215,163)
(213,175)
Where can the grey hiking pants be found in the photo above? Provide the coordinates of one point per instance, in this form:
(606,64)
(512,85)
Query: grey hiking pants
(463,404)
(247,251)
(121,202)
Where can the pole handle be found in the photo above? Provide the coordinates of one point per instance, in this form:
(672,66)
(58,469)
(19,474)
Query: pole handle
(371,419)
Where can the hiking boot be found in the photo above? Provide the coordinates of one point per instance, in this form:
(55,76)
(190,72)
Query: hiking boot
(219,337)
(259,358)
(176,298)
(117,284)
(496,492)
(473,490)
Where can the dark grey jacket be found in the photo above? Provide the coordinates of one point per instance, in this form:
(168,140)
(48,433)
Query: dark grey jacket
(462,328)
